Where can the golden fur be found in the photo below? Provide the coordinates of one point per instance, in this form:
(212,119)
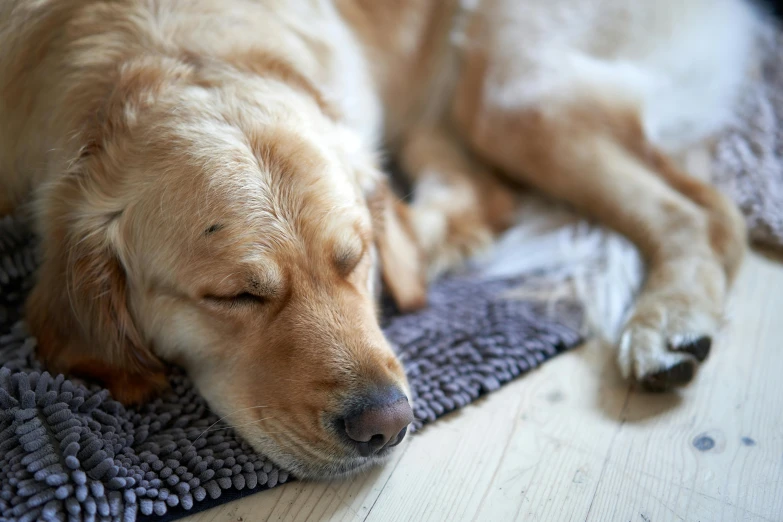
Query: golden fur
(203,177)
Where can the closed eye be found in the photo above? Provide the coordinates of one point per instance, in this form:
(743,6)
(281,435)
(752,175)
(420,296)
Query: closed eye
(346,265)
(347,260)
(241,299)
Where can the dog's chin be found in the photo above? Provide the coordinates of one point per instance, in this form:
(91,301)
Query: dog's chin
(340,467)
(343,468)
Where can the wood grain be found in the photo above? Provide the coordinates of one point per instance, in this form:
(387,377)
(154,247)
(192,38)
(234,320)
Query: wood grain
(571,441)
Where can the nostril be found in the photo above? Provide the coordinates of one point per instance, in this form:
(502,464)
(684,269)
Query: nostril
(398,439)
(379,425)
(377,441)
(372,446)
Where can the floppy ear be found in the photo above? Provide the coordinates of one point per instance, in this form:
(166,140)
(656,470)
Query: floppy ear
(402,266)
(78,310)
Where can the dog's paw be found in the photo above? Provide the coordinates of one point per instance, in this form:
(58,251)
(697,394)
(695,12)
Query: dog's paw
(665,342)
(449,240)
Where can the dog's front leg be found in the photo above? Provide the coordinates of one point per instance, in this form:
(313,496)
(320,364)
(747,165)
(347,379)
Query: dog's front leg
(592,153)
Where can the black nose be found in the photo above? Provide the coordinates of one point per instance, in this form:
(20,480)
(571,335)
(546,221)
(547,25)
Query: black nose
(379,422)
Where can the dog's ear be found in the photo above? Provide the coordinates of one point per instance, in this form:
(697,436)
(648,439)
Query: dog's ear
(401,259)
(78,310)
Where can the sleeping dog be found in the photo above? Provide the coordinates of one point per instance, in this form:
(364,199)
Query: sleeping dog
(204,177)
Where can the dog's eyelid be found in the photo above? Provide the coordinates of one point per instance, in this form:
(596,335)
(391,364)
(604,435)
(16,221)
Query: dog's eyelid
(241,298)
(249,297)
(347,260)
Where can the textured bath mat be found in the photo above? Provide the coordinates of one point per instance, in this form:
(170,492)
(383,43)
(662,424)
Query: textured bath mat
(69,452)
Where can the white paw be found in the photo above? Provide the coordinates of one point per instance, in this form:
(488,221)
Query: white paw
(665,341)
(448,241)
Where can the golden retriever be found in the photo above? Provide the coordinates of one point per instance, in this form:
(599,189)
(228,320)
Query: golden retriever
(204,178)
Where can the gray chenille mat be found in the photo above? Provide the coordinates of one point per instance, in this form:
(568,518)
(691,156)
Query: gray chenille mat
(69,452)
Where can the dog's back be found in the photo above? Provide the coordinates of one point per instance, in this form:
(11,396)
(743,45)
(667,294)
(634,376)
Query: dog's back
(681,62)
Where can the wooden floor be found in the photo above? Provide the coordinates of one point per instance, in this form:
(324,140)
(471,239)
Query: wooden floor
(572,442)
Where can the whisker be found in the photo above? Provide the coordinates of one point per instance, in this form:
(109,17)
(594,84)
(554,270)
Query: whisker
(240,425)
(221,418)
(292,440)
(298,381)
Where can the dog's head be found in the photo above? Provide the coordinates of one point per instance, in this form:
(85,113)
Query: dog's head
(242,241)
